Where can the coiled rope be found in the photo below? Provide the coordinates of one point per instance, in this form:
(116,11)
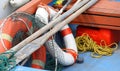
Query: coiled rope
(7,61)
(85,43)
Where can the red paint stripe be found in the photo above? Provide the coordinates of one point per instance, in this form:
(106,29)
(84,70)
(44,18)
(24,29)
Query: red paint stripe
(66,32)
(72,52)
(40,55)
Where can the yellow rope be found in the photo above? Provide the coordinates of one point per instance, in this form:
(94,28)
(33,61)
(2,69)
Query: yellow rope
(85,43)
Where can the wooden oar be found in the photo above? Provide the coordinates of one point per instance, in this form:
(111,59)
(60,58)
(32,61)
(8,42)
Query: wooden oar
(35,44)
(48,26)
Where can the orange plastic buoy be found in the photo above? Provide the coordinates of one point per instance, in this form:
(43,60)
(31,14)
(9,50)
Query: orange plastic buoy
(9,30)
(39,58)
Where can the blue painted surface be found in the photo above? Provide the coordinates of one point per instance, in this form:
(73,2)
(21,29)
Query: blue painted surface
(106,63)
(21,68)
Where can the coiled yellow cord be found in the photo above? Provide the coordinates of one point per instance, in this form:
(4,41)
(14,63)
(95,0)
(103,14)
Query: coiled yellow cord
(85,43)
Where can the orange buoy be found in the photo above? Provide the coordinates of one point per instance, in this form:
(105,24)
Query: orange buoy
(10,29)
(39,58)
(8,32)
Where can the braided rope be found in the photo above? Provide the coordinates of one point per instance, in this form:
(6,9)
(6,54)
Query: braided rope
(85,43)
(7,60)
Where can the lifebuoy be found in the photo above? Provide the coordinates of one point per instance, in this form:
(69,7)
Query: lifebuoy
(39,58)
(70,55)
(8,32)
(65,58)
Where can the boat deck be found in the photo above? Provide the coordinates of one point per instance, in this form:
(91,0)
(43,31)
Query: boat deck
(106,63)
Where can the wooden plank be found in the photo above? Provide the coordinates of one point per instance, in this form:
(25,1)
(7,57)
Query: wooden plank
(32,6)
(96,19)
(102,7)
(106,7)
(104,14)
(101,26)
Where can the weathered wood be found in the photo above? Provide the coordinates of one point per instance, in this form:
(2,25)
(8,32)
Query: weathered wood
(35,44)
(48,26)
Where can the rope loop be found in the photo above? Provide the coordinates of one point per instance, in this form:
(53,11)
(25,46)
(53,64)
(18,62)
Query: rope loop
(85,43)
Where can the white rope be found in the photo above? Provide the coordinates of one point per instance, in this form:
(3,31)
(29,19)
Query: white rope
(20,19)
(3,44)
(58,14)
(56,64)
(2,25)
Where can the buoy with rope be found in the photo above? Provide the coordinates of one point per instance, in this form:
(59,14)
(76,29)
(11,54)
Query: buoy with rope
(39,58)
(19,50)
(9,29)
(65,58)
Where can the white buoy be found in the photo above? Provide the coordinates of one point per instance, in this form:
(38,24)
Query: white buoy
(44,13)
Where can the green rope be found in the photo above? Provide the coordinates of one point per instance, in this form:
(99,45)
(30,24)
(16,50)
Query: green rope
(7,60)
